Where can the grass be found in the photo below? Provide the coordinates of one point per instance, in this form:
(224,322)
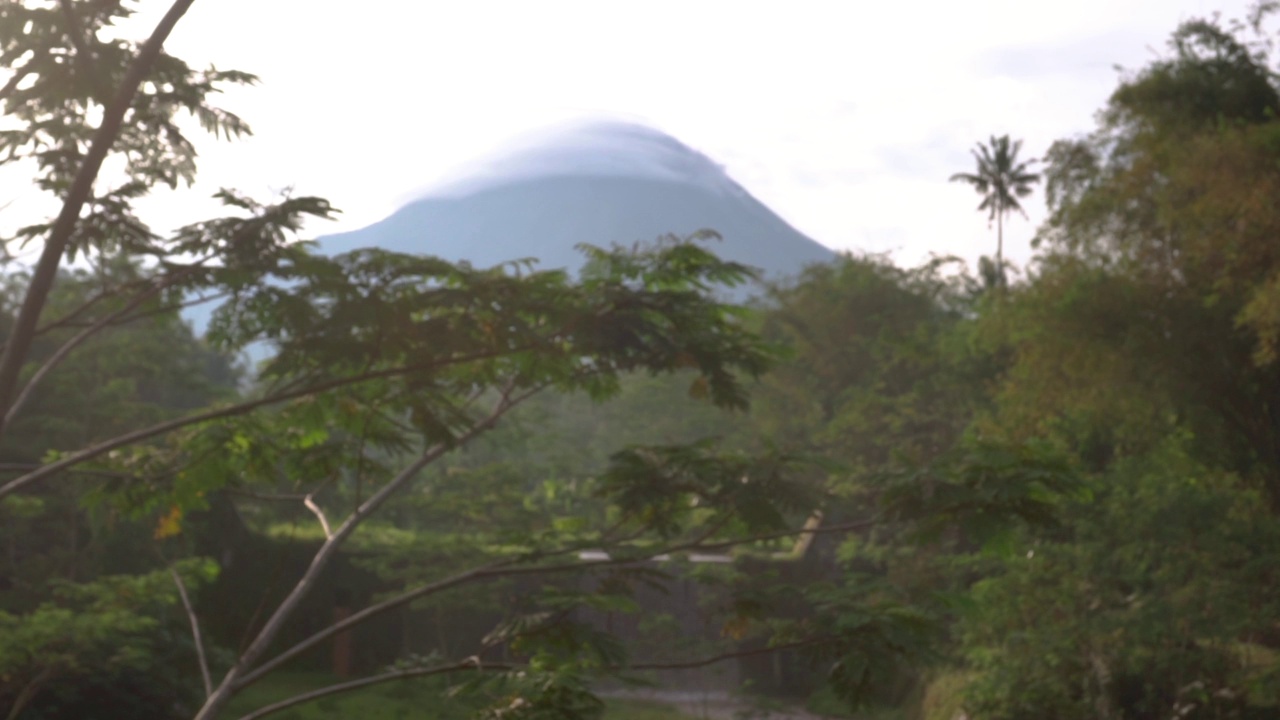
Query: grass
(409,700)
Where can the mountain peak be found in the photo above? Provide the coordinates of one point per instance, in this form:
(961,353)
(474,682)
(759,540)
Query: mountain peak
(594,148)
(598,182)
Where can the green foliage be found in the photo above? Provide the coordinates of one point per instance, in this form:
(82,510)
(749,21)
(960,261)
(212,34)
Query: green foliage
(1152,306)
(670,488)
(982,488)
(65,64)
(1137,608)
(96,634)
(877,370)
(872,639)
(1104,431)
(1139,347)
(1212,77)
(1000,178)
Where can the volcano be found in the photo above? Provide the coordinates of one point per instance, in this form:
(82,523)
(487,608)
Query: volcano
(599,183)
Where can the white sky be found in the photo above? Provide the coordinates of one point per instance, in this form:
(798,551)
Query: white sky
(845,117)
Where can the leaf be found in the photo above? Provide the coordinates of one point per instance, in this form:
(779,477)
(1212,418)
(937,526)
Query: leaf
(170,524)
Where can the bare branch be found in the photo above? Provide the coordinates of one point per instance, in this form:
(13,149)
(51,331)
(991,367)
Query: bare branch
(469,664)
(28,692)
(475,664)
(28,467)
(69,318)
(70,322)
(171,308)
(507,568)
(23,332)
(371,611)
(195,631)
(314,508)
(330,548)
(79,338)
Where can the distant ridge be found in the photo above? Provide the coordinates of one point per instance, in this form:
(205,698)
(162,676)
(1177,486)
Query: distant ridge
(599,183)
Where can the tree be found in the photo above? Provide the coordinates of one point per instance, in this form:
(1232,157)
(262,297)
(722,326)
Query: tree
(875,372)
(1153,306)
(1001,180)
(1137,345)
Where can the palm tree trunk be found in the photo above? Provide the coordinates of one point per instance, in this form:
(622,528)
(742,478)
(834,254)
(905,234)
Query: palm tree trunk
(1000,246)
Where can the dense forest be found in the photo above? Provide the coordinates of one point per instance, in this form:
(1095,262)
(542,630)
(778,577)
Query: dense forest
(899,492)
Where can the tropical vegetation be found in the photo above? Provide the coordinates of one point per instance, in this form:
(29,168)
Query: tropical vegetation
(511,493)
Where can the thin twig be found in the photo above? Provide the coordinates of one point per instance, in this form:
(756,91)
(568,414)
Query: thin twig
(498,569)
(195,631)
(237,409)
(474,663)
(326,553)
(63,352)
(177,307)
(469,664)
(29,691)
(315,509)
(159,310)
(28,467)
(356,618)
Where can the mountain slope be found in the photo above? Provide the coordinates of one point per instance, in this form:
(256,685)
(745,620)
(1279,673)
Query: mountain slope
(601,184)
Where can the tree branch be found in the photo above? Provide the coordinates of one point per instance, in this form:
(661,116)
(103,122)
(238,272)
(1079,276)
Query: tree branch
(469,664)
(195,631)
(330,548)
(19,345)
(315,509)
(79,338)
(28,467)
(473,663)
(504,568)
(28,692)
(369,612)
(243,408)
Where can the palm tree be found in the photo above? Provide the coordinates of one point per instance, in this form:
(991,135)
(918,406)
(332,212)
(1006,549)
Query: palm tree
(1000,180)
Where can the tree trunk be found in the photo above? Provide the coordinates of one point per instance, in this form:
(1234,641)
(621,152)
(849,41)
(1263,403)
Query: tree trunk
(1000,246)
